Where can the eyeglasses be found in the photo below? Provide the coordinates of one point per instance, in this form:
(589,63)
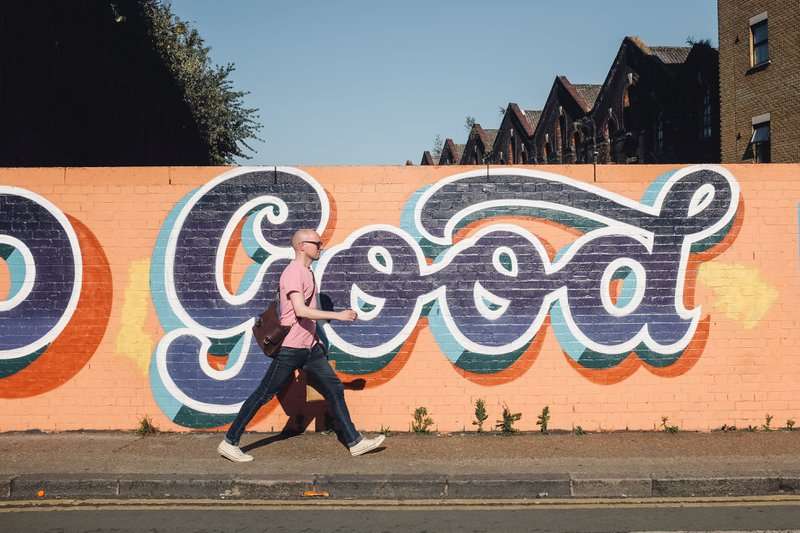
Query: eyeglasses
(318,244)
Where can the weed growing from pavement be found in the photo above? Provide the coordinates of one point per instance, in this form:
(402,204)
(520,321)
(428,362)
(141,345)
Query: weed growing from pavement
(544,419)
(725,428)
(480,414)
(668,428)
(751,429)
(506,424)
(578,431)
(146,427)
(767,421)
(790,425)
(385,431)
(422,422)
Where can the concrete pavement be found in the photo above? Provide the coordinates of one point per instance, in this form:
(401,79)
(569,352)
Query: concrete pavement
(76,465)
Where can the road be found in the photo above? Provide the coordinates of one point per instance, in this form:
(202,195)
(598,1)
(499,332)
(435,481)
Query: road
(355,517)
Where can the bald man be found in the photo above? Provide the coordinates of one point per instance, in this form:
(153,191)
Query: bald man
(300,349)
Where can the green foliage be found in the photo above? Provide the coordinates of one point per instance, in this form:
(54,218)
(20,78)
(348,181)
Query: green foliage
(506,424)
(790,425)
(224,123)
(767,421)
(578,431)
(385,430)
(422,422)
(146,427)
(480,414)
(543,419)
(469,121)
(666,427)
(726,428)
(751,428)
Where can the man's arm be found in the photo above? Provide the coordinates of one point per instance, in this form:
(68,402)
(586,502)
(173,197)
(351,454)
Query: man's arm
(301,310)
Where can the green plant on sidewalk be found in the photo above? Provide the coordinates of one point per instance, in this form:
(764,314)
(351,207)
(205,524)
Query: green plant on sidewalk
(767,421)
(578,431)
(544,419)
(422,422)
(146,427)
(480,414)
(506,424)
(385,431)
(666,427)
(790,425)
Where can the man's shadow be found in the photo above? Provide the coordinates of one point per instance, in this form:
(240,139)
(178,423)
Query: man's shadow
(303,408)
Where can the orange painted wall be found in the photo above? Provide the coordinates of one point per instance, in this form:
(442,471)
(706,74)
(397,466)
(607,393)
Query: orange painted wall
(743,362)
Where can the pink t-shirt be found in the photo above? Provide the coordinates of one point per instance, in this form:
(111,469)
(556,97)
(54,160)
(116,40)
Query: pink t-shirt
(298,278)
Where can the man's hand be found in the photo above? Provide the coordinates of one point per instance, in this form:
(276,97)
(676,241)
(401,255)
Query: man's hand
(347,316)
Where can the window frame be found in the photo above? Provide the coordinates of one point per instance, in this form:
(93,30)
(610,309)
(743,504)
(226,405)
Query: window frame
(756,23)
(762,150)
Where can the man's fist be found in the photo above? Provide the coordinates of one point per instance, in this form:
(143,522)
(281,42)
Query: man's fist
(348,316)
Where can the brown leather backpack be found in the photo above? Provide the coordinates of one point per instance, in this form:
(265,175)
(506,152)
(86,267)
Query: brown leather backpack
(268,331)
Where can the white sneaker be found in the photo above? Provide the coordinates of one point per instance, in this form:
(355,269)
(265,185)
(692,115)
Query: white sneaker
(234,453)
(365,445)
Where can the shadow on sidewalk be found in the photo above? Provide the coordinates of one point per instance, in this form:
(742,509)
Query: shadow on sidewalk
(302,411)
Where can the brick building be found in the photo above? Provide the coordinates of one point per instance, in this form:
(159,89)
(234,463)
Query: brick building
(478,149)
(513,142)
(658,104)
(759,70)
(428,159)
(451,153)
(556,138)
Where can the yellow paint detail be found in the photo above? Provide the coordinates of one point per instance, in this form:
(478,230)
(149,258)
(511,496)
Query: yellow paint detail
(740,292)
(133,341)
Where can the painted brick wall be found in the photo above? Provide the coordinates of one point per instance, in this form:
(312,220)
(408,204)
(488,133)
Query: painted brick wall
(614,297)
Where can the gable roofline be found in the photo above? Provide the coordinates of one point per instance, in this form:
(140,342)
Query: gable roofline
(428,159)
(456,150)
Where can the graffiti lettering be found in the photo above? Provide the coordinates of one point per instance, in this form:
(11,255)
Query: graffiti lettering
(486,296)
(41,250)
(492,292)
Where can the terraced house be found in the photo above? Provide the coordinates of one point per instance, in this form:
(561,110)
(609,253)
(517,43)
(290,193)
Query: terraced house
(657,104)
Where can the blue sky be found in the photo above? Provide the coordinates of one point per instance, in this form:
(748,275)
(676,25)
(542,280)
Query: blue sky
(373,82)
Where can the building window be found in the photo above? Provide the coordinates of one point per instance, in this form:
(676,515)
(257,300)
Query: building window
(760,140)
(707,114)
(759,40)
(660,133)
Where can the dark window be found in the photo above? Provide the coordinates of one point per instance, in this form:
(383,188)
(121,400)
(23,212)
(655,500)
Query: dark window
(760,142)
(576,146)
(760,41)
(660,134)
(707,114)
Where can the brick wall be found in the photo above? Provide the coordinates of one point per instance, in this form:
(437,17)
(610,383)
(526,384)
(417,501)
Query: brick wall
(745,92)
(615,298)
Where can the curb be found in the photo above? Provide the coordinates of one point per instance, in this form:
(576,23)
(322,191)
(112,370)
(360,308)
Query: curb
(394,487)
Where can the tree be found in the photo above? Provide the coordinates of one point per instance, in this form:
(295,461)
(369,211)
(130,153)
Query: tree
(438,144)
(469,121)
(224,123)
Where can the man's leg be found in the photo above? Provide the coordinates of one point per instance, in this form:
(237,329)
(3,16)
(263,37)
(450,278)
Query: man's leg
(331,387)
(277,376)
(320,372)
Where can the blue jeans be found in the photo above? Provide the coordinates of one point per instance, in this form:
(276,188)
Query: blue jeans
(280,372)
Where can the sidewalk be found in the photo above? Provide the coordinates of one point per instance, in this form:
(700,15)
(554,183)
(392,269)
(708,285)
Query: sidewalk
(80,465)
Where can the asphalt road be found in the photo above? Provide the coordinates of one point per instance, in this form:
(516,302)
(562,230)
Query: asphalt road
(509,518)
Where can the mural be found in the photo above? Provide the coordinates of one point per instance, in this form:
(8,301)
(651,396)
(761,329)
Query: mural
(622,289)
(59,294)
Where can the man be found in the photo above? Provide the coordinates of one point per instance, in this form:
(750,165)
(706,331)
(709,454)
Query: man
(301,349)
